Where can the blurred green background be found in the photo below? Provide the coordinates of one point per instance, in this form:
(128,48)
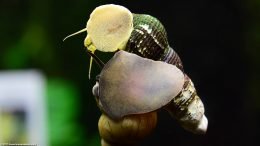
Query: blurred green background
(218,41)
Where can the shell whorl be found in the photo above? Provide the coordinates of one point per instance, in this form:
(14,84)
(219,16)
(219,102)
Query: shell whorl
(181,102)
(149,39)
(188,109)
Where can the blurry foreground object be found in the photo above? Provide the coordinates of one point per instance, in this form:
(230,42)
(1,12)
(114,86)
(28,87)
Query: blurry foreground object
(22,107)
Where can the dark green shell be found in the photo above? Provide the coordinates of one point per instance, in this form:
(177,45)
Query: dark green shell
(149,40)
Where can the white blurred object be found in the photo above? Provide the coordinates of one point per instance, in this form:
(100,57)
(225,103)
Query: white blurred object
(24,91)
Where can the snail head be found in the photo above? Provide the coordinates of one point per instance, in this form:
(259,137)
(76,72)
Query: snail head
(108,29)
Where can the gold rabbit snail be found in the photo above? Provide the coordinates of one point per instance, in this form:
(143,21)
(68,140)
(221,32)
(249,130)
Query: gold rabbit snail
(113,27)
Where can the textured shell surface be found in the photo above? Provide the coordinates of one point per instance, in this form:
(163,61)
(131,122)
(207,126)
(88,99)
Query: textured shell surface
(149,39)
(188,109)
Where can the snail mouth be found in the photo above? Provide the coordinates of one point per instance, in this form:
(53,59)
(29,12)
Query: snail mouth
(97,60)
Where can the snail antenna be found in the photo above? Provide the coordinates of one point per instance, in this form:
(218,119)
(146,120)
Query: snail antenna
(96,59)
(76,33)
(91,51)
(90,66)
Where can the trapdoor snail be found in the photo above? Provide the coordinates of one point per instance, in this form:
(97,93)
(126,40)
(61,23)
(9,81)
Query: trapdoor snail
(143,76)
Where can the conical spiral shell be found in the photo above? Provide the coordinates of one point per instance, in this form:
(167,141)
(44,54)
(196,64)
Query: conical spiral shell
(149,40)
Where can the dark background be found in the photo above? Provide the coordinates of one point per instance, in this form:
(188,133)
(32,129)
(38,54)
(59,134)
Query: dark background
(217,40)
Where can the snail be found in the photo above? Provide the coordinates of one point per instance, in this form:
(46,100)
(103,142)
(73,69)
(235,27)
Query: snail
(113,28)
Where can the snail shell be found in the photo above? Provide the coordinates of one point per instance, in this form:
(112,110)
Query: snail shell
(149,39)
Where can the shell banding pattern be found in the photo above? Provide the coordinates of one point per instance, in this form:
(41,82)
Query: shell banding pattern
(149,39)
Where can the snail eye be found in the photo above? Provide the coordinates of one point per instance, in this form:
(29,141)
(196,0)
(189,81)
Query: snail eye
(95,90)
(97,78)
